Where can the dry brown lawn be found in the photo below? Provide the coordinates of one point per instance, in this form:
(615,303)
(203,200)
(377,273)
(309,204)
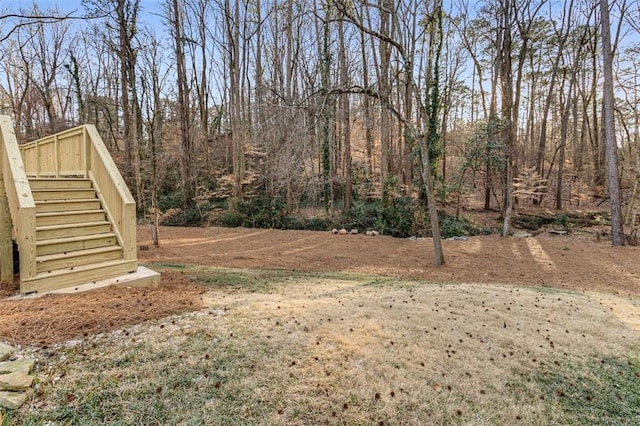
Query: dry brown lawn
(289,348)
(312,328)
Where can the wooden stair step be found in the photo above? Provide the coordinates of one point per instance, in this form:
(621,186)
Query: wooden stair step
(55,183)
(63,194)
(73,259)
(60,218)
(81,242)
(83,274)
(72,230)
(49,206)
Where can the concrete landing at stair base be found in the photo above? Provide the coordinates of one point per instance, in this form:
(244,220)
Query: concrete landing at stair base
(142,277)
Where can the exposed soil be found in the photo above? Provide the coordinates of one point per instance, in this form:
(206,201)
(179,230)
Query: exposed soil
(577,262)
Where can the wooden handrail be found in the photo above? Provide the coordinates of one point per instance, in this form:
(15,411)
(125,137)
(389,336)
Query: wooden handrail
(80,152)
(113,191)
(21,204)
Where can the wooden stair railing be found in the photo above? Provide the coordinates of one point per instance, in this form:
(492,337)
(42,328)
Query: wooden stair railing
(76,222)
(80,152)
(16,201)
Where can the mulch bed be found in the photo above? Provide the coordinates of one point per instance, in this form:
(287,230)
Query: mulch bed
(57,318)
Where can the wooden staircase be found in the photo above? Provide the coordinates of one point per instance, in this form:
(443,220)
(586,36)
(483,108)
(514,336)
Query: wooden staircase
(70,212)
(74,235)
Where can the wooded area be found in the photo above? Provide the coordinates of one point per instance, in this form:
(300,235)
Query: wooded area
(292,113)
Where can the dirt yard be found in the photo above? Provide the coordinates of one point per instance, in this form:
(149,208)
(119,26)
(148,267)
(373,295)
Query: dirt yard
(576,262)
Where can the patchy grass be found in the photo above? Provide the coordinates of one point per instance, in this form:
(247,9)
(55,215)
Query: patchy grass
(253,280)
(594,391)
(281,348)
(163,265)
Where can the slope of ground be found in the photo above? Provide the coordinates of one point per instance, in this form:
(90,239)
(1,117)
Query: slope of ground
(282,348)
(576,262)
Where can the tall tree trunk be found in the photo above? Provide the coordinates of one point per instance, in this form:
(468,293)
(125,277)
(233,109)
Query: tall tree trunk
(385,93)
(136,130)
(203,90)
(232,24)
(552,91)
(325,150)
(597,145)
(564,124)
(368,122)
(188,193)
(124,49)
(433,100)
(608,124)
(155,142)
(408,141)
(260,116)
(506,81)
(492,119)
(345,116)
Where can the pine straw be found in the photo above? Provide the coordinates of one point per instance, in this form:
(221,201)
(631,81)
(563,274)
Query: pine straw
(58,318)
(8,290)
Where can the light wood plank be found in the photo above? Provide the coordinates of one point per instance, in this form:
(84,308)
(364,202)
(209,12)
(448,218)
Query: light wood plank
(73,230)
(67,194)
(41,183)
(80,275)
(6,243)
(49,206)
(72,233)
(62,245)
(58,261)
(69,217)
(21,203)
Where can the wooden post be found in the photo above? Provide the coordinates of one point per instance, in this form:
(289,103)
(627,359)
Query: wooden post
(6,243)
(56,143)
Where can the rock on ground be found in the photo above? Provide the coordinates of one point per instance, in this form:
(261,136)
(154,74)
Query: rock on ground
(5,351)
(12,400)
(19,382)
(19,366)
(15,380)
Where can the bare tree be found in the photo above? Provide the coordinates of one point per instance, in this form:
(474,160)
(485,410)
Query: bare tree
(386,10)
(175,14)
(429,103)
(608,125)
(345,115)
(122,20)
(16,21)
(152,82)
(232,41)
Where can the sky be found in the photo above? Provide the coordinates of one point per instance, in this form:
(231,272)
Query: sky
(149,9)
(62,5)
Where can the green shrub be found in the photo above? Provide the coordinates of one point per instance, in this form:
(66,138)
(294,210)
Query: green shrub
(180,217)
(318,224)
(170,201)
(397,219)
(452,226)
(363,215)
(292,222)
(563,220)
(255,212)
(402,217)
(233,219)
